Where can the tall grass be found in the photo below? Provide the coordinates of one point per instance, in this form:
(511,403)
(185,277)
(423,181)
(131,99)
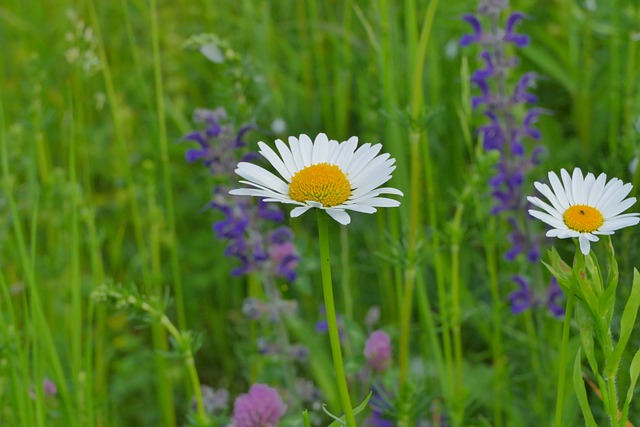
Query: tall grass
(95,191)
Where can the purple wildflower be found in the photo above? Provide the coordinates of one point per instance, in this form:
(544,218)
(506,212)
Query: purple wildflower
(50,388)
(377,350)
(520,40)
(554,293)
(261,407)
(245,225)
(506,130)
(522,298)
(477,36)
(212,400)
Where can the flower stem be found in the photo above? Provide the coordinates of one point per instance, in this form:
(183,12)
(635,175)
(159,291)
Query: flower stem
(334,337)
(563,356)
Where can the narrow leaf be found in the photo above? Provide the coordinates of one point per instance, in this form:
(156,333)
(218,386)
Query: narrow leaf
(585,324)
(581,392)
(627,322)
(361,407)
(634,372)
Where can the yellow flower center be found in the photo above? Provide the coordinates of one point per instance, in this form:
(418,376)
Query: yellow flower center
(583,218)
(322,182)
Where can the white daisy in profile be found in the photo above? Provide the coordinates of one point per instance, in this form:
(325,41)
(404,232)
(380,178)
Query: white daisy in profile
(584,207)
(322,174)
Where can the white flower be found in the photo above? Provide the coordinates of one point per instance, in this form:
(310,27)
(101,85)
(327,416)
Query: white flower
(322,174)
(584,207)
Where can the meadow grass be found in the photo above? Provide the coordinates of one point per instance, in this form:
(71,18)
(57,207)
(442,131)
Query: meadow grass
(96,196)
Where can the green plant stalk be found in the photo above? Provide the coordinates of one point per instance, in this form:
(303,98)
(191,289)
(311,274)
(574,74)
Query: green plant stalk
(610,395)
(166,169)
(334,337)
(563,355)
(415,139)
(456,232)
(405,324)
(74,267)
(496,320)
(163,393)
(190,364)
(17,363)
(35,305)
(99,345)
(615,96)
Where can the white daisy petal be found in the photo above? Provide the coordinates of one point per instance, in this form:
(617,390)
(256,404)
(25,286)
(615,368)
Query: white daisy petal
(584,206)
(361,208)
(618,223)
(545,217)
(565,234)
(380,202)
(343,157)
(322,174)
(294,144)
(339,215)
(577,181)
(320,152)
(268,153)
(546,192)
(589,181)
(609,191)
(619,195)
(566,182)
(550,209)
(558,190)
(306,148)
(362,157)
(597,191)
(585,246)
(613,210)
(296,212)
(261,176)
(591,237)
(287,157)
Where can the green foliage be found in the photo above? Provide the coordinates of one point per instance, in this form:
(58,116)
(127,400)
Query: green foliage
(93,190)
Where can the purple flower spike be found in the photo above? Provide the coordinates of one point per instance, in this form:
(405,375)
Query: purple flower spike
(476,101)
(521,299)
(520,40)
(520,94)
(486,72)
(476,37)
(554,294)
(261,407)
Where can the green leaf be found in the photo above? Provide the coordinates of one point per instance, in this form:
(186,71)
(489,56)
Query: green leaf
(634,372)
(594,275)
(627,322)
(584,289)
(550,66)
(606,303)
(559,269)
(361,407)
(581,392)
(612,264)
(305,417)
(585,324)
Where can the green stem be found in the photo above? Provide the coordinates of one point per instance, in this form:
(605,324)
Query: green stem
(188,361)
(405,323)
(334,337)
(563,355)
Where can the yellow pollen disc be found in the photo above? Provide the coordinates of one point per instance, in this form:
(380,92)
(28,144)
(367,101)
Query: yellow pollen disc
(322,182)
(583,218)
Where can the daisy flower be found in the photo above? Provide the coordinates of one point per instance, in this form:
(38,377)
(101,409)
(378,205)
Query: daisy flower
(584,207)
(322,174)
